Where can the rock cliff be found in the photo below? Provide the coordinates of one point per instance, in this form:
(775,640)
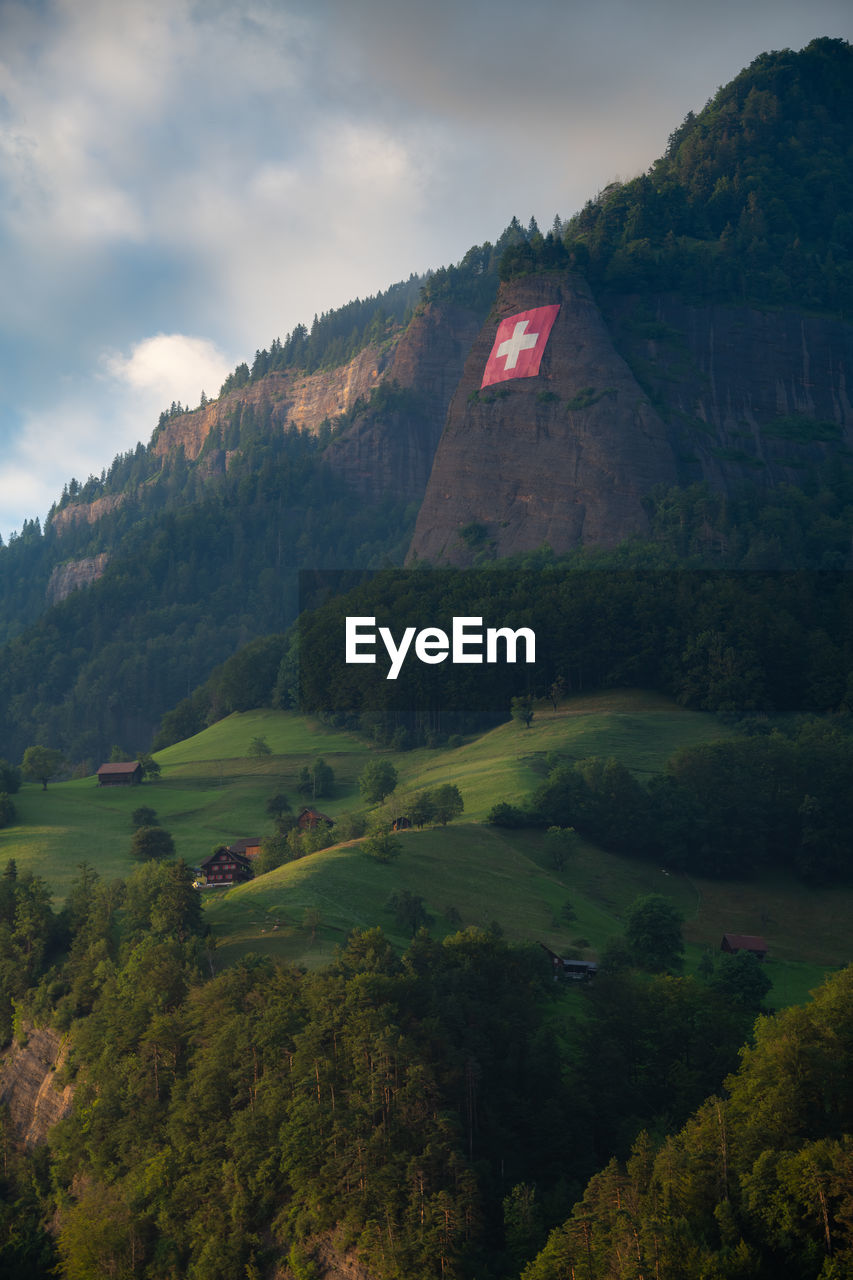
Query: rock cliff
(86,512)
(390,447)
(305,400)
(655,392)
(74,574)
(27,1086)
(387,447)
(329,1260)
(565,457)
(748,394)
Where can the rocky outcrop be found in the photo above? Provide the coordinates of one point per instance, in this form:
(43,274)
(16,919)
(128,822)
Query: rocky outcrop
(749,395)
(387,447)
(74,574)
(655,392)
(303,400)
(27,1088)
(86,512)
(390,447)
(328,1261)
(562,458)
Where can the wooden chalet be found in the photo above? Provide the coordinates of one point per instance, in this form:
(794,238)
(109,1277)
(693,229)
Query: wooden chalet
(732,943)
(573,970)
(126,774)
(308,819)
(401,824)
(224,866)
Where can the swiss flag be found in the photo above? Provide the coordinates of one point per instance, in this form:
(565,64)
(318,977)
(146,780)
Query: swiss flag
(519,344)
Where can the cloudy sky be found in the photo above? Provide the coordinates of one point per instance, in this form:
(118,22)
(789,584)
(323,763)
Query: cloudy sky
(182,181)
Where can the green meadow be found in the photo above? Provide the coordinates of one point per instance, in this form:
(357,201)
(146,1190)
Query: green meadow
(468,873)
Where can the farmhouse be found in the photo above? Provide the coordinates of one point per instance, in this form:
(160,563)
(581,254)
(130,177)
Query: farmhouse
(732,943)
(308,819)
(224,866)
(574,970)
(128,774)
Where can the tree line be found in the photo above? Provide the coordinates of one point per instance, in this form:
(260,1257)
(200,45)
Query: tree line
(769,798)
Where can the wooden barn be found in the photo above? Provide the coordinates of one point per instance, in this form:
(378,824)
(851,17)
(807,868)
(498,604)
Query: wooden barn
(308,819)
(732,943)
(127,774)
(573,970)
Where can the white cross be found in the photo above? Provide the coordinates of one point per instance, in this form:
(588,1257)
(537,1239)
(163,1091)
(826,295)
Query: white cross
(520,341)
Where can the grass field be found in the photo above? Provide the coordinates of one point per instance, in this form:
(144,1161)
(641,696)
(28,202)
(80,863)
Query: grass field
(211,792)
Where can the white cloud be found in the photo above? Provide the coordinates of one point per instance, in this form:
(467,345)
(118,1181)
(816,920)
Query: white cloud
(96,417)
(171,366)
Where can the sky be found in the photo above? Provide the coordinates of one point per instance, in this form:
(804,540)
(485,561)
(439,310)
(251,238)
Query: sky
(181,181)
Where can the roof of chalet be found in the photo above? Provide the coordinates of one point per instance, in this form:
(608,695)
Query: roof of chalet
(745,941)
(223,851)
(126,766)
(244,843)
(315,815)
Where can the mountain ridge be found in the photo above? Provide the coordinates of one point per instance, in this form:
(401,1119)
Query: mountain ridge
(738,403)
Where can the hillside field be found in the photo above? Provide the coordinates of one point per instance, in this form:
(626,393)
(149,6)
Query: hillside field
(468,873)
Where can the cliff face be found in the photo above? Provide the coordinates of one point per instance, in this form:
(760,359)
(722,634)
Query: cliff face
(27,1086)
(330,1260)
(747,394)
(563,458)
(656,392)
(305,400)
(74,574)
(390,447)
(86,512)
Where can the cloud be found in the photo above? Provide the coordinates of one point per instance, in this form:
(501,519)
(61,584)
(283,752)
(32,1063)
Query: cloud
(171,366)
(95,417)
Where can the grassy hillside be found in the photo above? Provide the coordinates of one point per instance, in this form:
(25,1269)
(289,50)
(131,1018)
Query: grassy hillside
(211,791)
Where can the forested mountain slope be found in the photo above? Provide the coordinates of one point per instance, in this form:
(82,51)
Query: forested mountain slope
(703,335)
(694,396)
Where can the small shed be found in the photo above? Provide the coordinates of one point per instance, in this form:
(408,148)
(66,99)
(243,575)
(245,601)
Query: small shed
(126,774)
(224,866)
(732,943)
(308,819)
(401,824)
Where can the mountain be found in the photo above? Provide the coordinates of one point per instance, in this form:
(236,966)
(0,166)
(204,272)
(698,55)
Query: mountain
(704,334)
(693,398)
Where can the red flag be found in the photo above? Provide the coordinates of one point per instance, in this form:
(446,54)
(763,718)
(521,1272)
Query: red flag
(519,344)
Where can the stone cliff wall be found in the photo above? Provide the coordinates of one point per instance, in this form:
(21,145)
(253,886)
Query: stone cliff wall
(564,458)
(305,400)
(655,392)
(86,512)
(27,1086)
(329,1261)
(74,574)
(748,395)
(390,450)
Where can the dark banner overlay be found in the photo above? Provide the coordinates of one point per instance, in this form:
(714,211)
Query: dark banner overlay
(443,643)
